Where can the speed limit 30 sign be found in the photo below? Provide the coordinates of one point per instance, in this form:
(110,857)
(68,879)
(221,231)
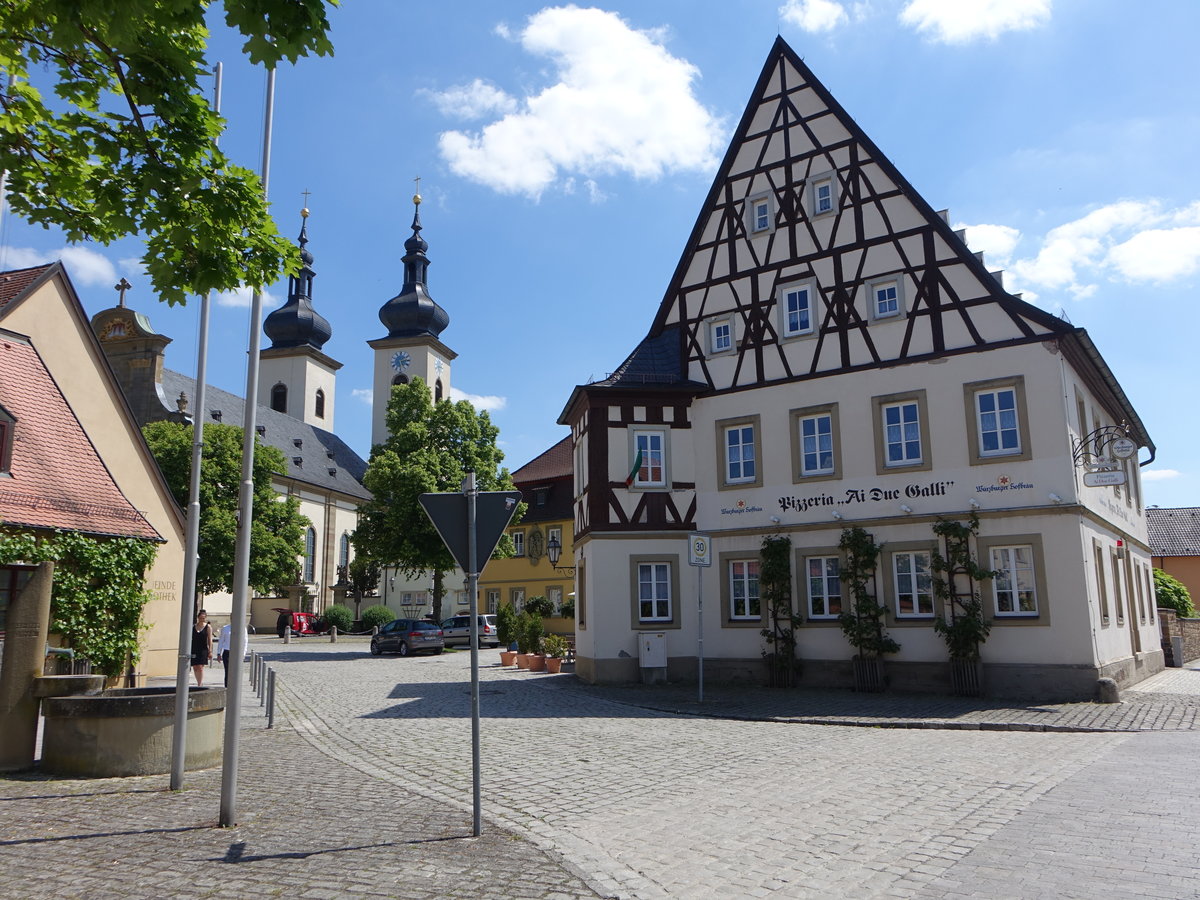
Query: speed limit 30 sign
(699,550)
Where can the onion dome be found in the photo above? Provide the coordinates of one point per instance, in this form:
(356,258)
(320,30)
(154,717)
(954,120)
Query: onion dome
(296,323)
(412,312)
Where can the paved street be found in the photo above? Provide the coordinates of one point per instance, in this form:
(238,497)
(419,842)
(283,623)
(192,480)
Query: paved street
(634,792)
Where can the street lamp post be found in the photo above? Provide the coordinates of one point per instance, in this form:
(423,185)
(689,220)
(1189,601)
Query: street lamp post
(554,552)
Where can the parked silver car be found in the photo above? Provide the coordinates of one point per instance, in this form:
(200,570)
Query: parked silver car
(407,636)
(457,630)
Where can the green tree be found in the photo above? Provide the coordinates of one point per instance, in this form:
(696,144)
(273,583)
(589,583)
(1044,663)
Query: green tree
(127,143)
(430,448)
(277,532)
(364,578)
(1171,593)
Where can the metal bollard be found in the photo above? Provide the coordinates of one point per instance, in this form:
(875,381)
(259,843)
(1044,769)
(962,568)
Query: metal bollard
(333,634)
(255,680)
(374,630)
(253,663)
(287,634)
(270,698)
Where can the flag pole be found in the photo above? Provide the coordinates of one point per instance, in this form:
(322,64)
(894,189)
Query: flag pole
(241,570)
(187,603)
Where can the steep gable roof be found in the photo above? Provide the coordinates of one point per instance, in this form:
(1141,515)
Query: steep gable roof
(553,463)
(794,137)
(15,284)
(57,479)
(1174,532)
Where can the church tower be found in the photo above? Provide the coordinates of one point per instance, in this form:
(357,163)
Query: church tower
(295,376)
(412,348)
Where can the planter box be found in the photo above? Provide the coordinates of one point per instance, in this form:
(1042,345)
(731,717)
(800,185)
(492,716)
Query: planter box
(966,677)
(868,675)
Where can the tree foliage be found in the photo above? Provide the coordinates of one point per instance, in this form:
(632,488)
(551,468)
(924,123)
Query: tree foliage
(1171,593)
(430,449)
(98,593)
(775,587)
(126,143)
(277,532)
(962,624)
(863,623)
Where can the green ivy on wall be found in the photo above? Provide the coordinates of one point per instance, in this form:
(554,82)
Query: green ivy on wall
(99,590)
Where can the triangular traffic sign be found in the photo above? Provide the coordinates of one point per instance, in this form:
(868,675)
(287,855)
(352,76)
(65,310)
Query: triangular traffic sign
(493,511)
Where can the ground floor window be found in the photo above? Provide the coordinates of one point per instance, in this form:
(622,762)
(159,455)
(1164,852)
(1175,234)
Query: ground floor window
(913,580)
(654,591)
(743,589)
(1015,584)
(824,586)
(493,601)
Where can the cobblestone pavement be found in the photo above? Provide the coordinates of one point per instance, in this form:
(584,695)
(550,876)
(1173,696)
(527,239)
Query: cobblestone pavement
(309,826)
(364,789)
(744,800)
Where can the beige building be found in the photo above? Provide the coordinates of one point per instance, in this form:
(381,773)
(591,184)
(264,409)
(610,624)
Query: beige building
(830,353)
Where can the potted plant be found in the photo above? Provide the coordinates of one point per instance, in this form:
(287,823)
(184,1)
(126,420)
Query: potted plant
(506,633)
(961,624)
(555,646)
(863,623)
(521,636)
(533,639)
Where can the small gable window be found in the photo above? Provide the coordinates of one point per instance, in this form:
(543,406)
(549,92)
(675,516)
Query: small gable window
(8,426)
(279,398)
(822,198)
(319,406)
(760,216)
(886,299)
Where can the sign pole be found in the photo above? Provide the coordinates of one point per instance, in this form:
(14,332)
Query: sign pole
(473,592)
(700,606)
(700,556)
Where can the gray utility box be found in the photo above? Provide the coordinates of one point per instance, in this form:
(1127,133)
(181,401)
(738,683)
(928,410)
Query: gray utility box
(652,657)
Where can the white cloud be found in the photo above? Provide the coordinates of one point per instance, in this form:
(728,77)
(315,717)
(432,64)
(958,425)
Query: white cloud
(242,297)
(813,15)
(84,266)
(1159,474)
(962,21)
(621,103)
(1158,254)
(1132,240)
(473,101)
(366,395)
(479,401)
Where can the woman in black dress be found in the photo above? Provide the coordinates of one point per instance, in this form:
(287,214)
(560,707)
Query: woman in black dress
(201,646)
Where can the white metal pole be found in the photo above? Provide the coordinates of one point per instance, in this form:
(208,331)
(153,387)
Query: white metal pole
(473,591)
(700,616)
(241,572)
(187,603)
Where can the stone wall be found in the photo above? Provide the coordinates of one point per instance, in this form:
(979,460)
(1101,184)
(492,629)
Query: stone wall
(1180,637)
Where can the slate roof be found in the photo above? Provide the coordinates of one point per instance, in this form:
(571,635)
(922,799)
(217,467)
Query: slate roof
(1174,532)
(322,459)
(654,363)
(57,479)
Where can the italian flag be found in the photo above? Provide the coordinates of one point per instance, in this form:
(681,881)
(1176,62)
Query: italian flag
(637,465)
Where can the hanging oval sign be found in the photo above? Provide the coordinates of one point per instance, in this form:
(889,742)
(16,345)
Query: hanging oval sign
(1123,448)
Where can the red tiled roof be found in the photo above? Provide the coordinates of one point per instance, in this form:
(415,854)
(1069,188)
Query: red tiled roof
(554,463)
(57,478)
(16,282)
(1174,531)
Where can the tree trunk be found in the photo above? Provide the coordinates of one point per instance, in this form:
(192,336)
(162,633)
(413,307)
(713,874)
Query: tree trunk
(439,591)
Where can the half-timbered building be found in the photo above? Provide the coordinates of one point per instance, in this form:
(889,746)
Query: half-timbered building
(830,353)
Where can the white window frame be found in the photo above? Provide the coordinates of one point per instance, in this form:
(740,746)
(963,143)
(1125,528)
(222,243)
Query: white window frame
(648,455)
(923,600)
(749,598)
(518,539)
(818,469)
(760,214)
(825,579)
(904,423)
(654,588)
(785,312)
(885,284)
(554,594)
(718,343)
(1000,429)
(739,429)
(493,601)
(554,532)
(816,182)
(1004,582)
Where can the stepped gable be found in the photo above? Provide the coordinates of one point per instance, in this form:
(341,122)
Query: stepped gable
(57,479)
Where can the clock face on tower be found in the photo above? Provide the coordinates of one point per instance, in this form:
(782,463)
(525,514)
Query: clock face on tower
(401,361)
(438,365)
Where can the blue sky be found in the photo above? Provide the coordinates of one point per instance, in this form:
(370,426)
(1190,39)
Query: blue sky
(565,151)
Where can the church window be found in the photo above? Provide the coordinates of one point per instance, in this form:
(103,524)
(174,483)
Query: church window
(437,390)
(400,379)
(279,398)
(344,550)
(310,555)
(319,406)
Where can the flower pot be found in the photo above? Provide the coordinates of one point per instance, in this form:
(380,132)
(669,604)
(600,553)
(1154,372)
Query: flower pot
(537,662)
(553,664)
(522,660)
(507,657)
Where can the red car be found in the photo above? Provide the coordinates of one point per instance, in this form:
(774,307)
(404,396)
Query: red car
(301,622)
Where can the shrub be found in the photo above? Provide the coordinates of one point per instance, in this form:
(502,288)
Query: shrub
(1170,593)
(376,616)
(534,632)
(555,645)
(540,606)
(339,617)
(506,625)
(568,609)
